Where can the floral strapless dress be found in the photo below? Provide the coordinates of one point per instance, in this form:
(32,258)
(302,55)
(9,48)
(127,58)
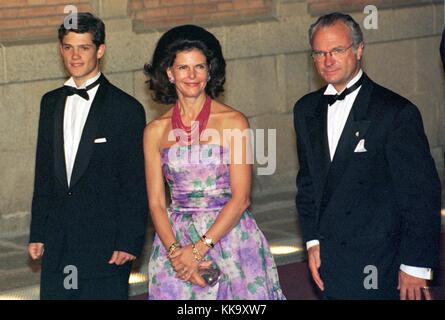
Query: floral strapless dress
(199,181)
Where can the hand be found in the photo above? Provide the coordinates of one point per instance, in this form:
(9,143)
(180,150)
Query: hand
(186,267)
(35,250)
(196,277)
(412,288)
(198,280)
(183,262)
(204,264)
(121,257)
(314,264)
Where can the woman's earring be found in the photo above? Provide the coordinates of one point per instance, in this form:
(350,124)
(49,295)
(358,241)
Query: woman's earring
(172,80)
(208,79)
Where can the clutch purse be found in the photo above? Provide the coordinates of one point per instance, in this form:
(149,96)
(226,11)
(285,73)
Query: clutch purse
(210,275)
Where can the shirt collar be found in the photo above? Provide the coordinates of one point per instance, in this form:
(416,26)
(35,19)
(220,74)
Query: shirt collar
(70,82)
(330,90)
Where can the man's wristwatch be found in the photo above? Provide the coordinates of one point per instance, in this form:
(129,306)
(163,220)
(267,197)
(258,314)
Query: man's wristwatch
(207,241)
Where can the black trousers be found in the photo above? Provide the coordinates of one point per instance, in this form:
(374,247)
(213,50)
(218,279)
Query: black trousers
(55,286)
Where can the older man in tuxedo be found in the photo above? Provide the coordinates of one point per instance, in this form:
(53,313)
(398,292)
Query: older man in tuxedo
(368,190)
(89,207)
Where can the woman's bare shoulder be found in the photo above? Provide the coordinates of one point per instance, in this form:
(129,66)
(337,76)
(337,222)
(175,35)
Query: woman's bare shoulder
(157,126)
(232,118)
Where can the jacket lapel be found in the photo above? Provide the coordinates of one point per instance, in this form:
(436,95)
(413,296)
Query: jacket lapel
(354,130)
(59,150)
(86,144)
(317,127)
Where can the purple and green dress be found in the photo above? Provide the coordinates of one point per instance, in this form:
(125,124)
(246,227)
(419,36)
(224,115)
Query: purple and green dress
(199,181)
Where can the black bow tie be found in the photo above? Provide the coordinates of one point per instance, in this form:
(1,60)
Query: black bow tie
(69,91)
(333,98)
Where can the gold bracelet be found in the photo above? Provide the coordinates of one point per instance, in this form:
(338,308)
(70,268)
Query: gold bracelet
(196,254)
(173,247)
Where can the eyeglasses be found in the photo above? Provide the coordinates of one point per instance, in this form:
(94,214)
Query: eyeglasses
(336,52)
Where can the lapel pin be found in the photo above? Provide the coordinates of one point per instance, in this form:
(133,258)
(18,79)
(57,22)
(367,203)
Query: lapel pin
(357,134)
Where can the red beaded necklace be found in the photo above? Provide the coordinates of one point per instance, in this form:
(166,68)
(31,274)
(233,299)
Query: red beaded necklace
(199,123)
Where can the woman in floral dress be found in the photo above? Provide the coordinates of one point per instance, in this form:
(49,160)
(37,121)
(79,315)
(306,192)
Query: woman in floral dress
(208,225)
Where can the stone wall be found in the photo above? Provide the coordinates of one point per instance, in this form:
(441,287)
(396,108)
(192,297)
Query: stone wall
(34,19)
(268,69)
(159,13)
(319,7)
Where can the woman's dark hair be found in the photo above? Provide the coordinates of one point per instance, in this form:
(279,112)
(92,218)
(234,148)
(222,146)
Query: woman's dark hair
(183,38)
(86,22)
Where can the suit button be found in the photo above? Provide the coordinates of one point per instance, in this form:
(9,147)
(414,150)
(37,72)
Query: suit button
(348,213)
(70,193)
(343,243)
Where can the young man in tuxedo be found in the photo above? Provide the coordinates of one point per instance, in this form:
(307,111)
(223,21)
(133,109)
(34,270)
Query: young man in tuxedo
(368,190)
(89,205)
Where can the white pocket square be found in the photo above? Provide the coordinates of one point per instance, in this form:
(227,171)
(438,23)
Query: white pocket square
(361,146)
(100,140)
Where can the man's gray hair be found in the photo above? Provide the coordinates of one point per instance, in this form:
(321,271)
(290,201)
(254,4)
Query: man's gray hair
(331,19)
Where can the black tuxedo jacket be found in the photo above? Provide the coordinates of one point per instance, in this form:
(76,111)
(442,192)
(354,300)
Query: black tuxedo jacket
(377,208)
(105,207)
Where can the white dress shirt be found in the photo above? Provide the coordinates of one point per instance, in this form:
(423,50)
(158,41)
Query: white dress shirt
(75,116)
(338,113)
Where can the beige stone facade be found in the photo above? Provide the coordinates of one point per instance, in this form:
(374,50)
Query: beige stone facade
(268,69)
